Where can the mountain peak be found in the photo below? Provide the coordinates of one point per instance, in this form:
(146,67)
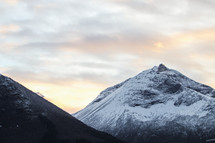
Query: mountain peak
(162,68)
(159,103)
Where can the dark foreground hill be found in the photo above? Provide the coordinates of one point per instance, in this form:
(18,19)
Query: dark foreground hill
(26,117)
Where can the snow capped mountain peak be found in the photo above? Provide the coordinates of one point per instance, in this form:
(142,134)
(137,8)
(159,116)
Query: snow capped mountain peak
(155,98)
(162,68)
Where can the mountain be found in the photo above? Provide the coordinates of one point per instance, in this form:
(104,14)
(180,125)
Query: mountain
(158,105)
(25,117)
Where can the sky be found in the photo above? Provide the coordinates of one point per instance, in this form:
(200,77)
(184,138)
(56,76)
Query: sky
(71,50)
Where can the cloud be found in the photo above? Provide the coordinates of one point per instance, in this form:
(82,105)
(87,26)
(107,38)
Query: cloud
(56,44)
(5,29)
(11,2)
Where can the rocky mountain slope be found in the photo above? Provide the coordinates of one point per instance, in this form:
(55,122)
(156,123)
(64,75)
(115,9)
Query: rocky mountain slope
(158,105)
(25,117)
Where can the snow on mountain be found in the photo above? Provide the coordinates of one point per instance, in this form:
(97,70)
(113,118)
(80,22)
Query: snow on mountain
(157,104)
(40,94)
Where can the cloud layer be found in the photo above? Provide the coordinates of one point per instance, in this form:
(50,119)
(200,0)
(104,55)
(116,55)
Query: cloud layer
(57,44)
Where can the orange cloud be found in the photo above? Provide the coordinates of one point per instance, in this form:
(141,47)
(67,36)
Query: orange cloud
(193,36)
(11,2)
(118,43)
(139,44)
(158,47)
(44,6)
(4,29)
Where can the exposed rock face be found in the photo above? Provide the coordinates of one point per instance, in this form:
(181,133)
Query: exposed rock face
(26,117)
(158,105)
(162,68)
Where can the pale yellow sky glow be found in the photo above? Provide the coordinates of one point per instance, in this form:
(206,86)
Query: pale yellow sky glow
(71,97)
(71,50)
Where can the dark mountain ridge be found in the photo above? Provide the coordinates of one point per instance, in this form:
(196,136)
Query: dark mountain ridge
(26,117)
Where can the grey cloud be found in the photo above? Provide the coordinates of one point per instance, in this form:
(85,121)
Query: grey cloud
(172,16)
(55,29)
(55,76)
